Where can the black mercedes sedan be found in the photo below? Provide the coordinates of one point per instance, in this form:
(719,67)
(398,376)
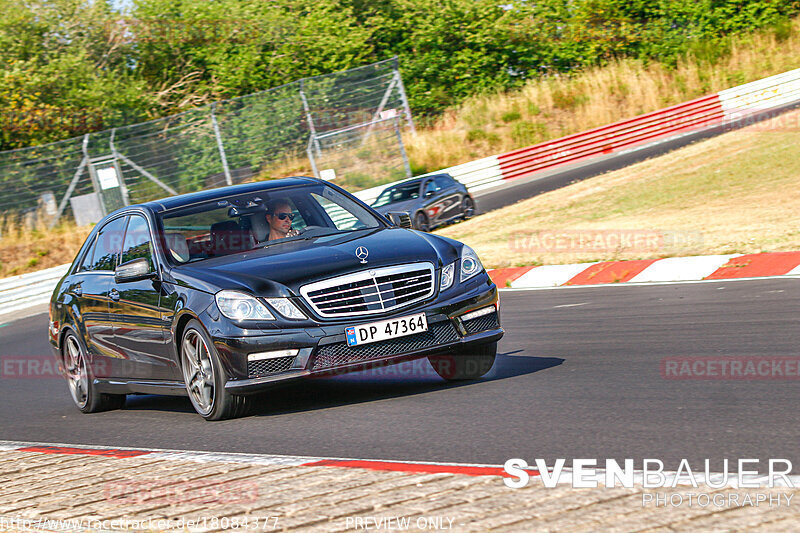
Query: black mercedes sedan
(220,294)
(431,201)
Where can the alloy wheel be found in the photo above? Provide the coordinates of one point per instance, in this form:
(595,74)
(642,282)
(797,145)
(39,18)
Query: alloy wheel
(77,376)
(198,372)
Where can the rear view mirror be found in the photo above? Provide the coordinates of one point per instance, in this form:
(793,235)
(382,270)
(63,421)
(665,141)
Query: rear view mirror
(134,270)
(401,219)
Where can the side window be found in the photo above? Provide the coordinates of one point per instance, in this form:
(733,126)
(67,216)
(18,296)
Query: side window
(443,182)
(137,241)
(108,245)
(430,187)
(86,261)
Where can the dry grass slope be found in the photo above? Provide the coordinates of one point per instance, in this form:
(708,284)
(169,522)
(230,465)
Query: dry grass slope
(28,249)
(554,107)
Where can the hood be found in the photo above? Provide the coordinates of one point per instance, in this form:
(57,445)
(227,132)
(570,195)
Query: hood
(405,205)
(281,269)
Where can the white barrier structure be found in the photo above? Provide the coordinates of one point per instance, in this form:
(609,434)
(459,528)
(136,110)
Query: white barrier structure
(761,95)
(27,290)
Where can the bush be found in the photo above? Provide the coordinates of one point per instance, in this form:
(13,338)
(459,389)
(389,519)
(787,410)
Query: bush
(525,132)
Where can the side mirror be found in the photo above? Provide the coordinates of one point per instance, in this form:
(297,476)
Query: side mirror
(401,219)
(133,270)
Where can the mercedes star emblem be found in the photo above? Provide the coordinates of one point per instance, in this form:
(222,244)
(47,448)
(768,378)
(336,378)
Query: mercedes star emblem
(362,253)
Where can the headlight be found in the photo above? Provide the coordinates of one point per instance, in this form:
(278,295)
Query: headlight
(470,264)
(286,308)
(240,306)
(447,276)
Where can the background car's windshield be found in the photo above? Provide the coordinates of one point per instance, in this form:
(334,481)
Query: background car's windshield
(408,191)
(239,223)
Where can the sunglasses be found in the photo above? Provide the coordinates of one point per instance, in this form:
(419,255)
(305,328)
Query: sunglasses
(284,216)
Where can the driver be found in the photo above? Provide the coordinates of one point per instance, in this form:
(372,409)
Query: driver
(279,217)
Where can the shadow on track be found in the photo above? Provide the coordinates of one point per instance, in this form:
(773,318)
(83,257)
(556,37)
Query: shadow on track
(393,381)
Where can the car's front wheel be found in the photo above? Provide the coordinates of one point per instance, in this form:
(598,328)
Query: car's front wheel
(80,379)
(205,378)
(472,365)
(421,222)
(468,208)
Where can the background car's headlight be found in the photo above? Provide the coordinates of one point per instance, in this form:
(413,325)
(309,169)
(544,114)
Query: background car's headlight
(447,276)
(240,306)
(470,264)
(286,308)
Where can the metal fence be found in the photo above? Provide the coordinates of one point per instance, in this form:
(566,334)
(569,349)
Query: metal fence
(359,112)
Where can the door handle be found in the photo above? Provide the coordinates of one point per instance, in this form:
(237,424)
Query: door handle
(114,295)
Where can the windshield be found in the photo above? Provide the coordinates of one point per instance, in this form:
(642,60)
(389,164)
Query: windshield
(407,191)
(239,223)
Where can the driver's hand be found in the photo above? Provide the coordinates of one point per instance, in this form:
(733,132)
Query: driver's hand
(292,233)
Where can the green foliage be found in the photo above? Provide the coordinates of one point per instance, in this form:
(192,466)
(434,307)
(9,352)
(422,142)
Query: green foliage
(526,132)
(72,66)
(476,135)
(510,116)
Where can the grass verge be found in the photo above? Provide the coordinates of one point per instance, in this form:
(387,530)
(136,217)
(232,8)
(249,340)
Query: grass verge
(736,193)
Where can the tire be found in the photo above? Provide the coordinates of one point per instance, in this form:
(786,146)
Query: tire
(472,365)
(468,207)
(80,379)
(204,377)
(421,222)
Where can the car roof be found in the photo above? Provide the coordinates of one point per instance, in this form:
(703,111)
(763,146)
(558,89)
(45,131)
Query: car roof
(415,181)
(419,179)
(182,200)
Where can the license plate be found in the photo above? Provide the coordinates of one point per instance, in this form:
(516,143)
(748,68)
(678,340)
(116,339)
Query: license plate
(386,329)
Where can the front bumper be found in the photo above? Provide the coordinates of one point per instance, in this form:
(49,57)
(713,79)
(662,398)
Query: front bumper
(324,351)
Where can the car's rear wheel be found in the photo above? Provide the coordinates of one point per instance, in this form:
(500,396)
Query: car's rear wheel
(205,378)
(421,222)
(468,207)
(472,365)
(80,380)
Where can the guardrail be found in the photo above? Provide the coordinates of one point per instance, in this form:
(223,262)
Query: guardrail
(26,290)
(663,125)
(649,129)
(727,106)
(678,119)
(761,95)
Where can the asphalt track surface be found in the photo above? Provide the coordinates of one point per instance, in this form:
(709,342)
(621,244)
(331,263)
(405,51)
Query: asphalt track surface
(578,376)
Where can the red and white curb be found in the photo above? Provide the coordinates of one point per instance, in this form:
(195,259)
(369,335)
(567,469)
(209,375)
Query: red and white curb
(556,474)
(672,269)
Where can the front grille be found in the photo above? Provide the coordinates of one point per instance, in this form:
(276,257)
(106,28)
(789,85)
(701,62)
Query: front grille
(482,323)
(265,367)
(340,353)
(371,291)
